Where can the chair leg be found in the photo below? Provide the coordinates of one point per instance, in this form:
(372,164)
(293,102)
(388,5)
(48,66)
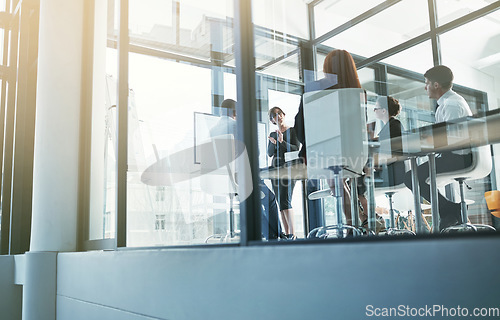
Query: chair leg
(339,230)
(394,230)
(391,209)
(463,205)
(465,226)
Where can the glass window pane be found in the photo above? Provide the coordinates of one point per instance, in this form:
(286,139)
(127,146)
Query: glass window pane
(367,79)
(417,58)
(287,68)
(449,10)
(384,30)
(330,14)
(417,110)
(270,50)
(185,27)
(477,64)
(288,17)
(157,23)
(177,193)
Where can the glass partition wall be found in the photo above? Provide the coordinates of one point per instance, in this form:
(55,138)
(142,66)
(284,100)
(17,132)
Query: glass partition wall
(180,72)
(177,63)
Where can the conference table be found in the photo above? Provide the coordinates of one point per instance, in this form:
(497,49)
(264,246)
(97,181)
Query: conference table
(467,132)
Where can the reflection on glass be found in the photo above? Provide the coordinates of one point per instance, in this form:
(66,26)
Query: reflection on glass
(449,10)
(332,13)
(408,60)
(384,30)
(475,65)
(269,51)
(161,125)
(417,109)
(181,175)
(287,68)
(284,17)
(191,27)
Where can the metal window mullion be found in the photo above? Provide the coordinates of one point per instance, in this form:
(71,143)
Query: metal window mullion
(122,127)
(310,21)
(23,149)
(5,220)
(9,140)
(381,87)
(396,49)
(468,18)
(277,60)
(85,127)
(360,18)
(436,49)
(247,119)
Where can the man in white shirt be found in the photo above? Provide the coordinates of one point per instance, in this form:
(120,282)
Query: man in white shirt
(438,84)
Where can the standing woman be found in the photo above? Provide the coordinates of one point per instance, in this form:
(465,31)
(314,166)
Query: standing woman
(283,140)
(339,72)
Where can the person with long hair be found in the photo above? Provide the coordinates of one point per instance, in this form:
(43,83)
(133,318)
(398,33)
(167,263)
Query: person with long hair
(281,141)
(339,72)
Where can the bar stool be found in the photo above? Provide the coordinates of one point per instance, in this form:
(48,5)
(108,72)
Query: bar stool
(389,192)
(480,168)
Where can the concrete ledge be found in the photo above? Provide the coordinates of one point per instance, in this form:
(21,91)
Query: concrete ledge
(39,296)
(290,282)
(10,294)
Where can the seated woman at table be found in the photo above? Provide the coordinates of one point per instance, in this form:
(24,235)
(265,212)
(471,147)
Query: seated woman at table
(386,109)
(283,140)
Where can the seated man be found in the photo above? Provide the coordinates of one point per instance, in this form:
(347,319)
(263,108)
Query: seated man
(271,228)
(438,84)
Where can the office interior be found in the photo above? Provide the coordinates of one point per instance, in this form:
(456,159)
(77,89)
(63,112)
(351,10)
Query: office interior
(109,211)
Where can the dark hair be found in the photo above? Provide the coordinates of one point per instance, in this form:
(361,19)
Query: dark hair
(441,75)
(273,111)
(340,63)
(390,104)
(230,106)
